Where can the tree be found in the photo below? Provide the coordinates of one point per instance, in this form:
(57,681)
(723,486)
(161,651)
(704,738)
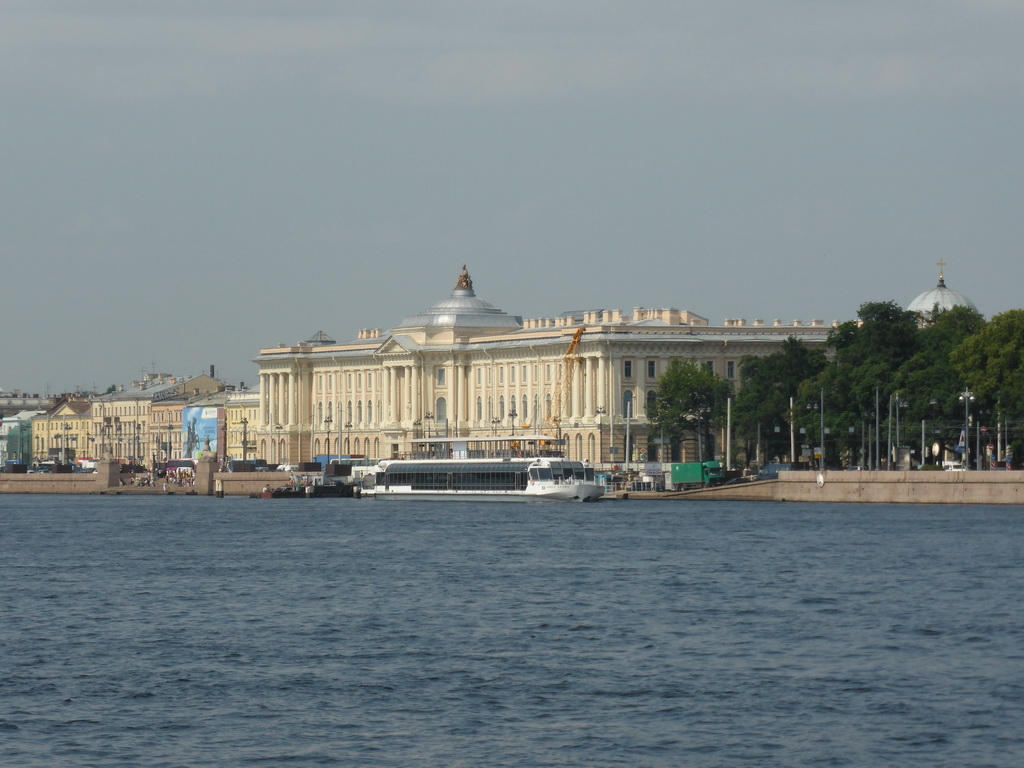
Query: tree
(928,381)
(991,363)
(689,398)
(867,354)
(766,385)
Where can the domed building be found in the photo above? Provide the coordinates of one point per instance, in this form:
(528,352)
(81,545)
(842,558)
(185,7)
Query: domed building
(939,298)
(462,367)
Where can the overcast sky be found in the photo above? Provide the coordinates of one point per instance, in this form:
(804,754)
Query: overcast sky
(183,183)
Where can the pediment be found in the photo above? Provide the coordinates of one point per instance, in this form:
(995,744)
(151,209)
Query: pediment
(397,345)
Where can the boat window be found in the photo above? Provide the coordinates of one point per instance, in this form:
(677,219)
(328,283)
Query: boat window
(458,476)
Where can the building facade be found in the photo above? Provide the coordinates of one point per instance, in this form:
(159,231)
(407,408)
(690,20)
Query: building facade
(465,368)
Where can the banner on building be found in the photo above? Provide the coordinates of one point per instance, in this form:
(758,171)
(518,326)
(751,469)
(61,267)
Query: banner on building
(198,431)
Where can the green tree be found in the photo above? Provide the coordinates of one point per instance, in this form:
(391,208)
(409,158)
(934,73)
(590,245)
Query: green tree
(867,354)
(991,363)
(766,386)
(928,381)
(689,398)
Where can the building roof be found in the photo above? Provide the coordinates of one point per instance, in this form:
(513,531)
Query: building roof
(463,310)
(940,297)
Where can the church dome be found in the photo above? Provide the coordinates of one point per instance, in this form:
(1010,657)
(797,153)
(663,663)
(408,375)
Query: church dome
(462,309)
(940,296)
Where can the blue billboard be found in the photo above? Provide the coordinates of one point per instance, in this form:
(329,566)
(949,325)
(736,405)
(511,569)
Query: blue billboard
(198,431)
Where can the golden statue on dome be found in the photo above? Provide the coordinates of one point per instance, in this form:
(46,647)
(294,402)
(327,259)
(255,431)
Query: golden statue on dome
(465,281)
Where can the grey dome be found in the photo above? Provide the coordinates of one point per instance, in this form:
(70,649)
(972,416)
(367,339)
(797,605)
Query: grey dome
(462,310)
(942,297)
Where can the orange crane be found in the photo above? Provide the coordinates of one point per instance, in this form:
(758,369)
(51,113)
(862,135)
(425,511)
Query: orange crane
(563,385)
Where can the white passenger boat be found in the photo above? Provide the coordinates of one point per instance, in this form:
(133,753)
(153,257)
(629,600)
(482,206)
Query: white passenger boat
(523,468)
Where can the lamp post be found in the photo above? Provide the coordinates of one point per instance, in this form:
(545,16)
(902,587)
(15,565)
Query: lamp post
(64,442)
(899,403)
(245,438)
(966,397)
(278,450)
(494,425)
(820,406)
(328,421)
(512,418)
(600,411)
(430,427)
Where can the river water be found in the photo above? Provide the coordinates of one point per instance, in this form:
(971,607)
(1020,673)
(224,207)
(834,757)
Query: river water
(192,631)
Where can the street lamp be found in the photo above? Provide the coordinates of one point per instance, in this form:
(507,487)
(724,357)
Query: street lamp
(430,427)
(278,450)
(821,427)
(328,421)
(512,416)
(245,438)
(966,397)
(64,442)
(494,425)
(899,403)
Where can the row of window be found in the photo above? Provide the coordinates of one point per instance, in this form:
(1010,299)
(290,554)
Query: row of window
(652,368)
(441,374)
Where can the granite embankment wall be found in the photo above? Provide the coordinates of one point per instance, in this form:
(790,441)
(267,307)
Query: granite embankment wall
(107,480)
(874,487)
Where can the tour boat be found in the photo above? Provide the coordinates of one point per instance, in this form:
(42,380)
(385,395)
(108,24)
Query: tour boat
(523,468)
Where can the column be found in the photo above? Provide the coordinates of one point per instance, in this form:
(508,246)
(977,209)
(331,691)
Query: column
(640,395)
(263,398)
(416,395)
(576,395)
(293,416)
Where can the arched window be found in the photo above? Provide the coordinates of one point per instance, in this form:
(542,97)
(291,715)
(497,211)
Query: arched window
(319,411)
(329,409)
(490,408)
(579,448)
(627,404)
(369,412)
(547,406)
(441,410)
(591,449)
(501,408)
(650,400)
(359,412)
(479,409)
(512,407)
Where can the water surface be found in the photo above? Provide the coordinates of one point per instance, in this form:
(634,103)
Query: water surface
(190,631)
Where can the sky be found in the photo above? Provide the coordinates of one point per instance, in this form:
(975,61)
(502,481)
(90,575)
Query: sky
(183,183)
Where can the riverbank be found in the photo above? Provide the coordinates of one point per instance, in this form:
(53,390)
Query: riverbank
(995,487)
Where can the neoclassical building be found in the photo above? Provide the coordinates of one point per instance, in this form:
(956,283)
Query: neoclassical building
(463,367)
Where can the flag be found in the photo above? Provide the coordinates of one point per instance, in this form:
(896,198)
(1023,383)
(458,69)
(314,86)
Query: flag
(962,445)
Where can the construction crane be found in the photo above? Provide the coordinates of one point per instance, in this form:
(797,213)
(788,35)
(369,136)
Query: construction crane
(563,384)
